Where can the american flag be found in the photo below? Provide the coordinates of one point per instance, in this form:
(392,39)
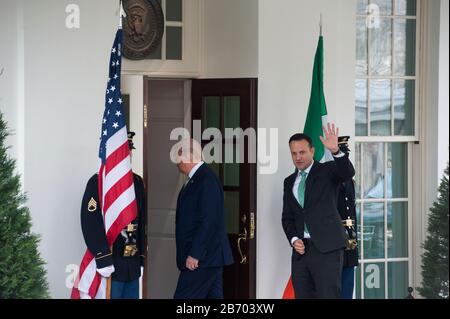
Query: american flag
(115,177)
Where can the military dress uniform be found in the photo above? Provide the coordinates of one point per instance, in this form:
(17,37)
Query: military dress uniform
(129,249)
(347,211)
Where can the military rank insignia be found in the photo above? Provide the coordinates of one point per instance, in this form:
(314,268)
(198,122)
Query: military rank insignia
(92,205)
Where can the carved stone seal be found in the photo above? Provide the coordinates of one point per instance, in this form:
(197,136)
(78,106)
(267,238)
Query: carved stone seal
(143,28)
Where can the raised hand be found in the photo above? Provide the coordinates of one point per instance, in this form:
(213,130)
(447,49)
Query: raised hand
(331,138)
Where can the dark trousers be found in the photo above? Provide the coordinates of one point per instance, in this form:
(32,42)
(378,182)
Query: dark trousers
(348,282)
(202,283)
(317,275)
(125,289)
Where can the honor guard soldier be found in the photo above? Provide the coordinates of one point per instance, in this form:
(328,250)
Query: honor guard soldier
(347,211)
(126,261)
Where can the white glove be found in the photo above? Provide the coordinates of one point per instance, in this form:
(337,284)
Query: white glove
(84,295)
(106,271)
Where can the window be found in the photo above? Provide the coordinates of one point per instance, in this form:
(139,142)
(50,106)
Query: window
(385,128)
(171,47)
(382,193)
(386,68)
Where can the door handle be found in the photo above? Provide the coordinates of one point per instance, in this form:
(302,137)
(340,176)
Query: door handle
(242,237)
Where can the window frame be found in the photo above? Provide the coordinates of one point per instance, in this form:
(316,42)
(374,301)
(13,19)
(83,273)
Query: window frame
(409,140)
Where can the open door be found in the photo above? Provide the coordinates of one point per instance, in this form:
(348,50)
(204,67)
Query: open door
(232,103)
(166,107)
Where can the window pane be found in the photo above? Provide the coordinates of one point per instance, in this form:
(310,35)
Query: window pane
(174,10)
(361,6)
(231,111)
(404,112)
(380,52)
(405,47)
(397,230)
(373,170)
(385,6)
(211,112)
(373,230)
(174,43)
(231,174)
(361,46)
(232,212)
(374,281)
(358,170)
(212,153)
(361,107)
(398,280)
(405,7)
(397,170)
(380,107)
(231,166)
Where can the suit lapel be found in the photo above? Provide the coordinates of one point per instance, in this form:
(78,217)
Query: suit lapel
(291,182)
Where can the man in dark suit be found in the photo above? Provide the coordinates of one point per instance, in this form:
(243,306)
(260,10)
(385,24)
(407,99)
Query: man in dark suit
(310,218)
(201,238)
(126,261)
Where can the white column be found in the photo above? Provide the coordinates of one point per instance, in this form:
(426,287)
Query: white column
(443,123)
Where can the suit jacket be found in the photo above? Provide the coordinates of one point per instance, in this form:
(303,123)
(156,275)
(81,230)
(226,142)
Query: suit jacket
(347,208)
(200,222)
(320,212)
(126,268)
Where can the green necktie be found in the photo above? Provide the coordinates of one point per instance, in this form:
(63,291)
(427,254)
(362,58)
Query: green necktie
(301,188)
(301,193)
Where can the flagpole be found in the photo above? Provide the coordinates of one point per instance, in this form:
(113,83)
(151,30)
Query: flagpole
(108,288)
(121,14)
(108,280)
(320,24)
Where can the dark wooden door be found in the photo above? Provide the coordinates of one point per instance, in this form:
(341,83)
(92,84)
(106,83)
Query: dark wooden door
(232,103)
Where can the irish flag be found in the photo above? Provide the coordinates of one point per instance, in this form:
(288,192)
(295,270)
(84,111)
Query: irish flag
(316,117)
(317,109)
